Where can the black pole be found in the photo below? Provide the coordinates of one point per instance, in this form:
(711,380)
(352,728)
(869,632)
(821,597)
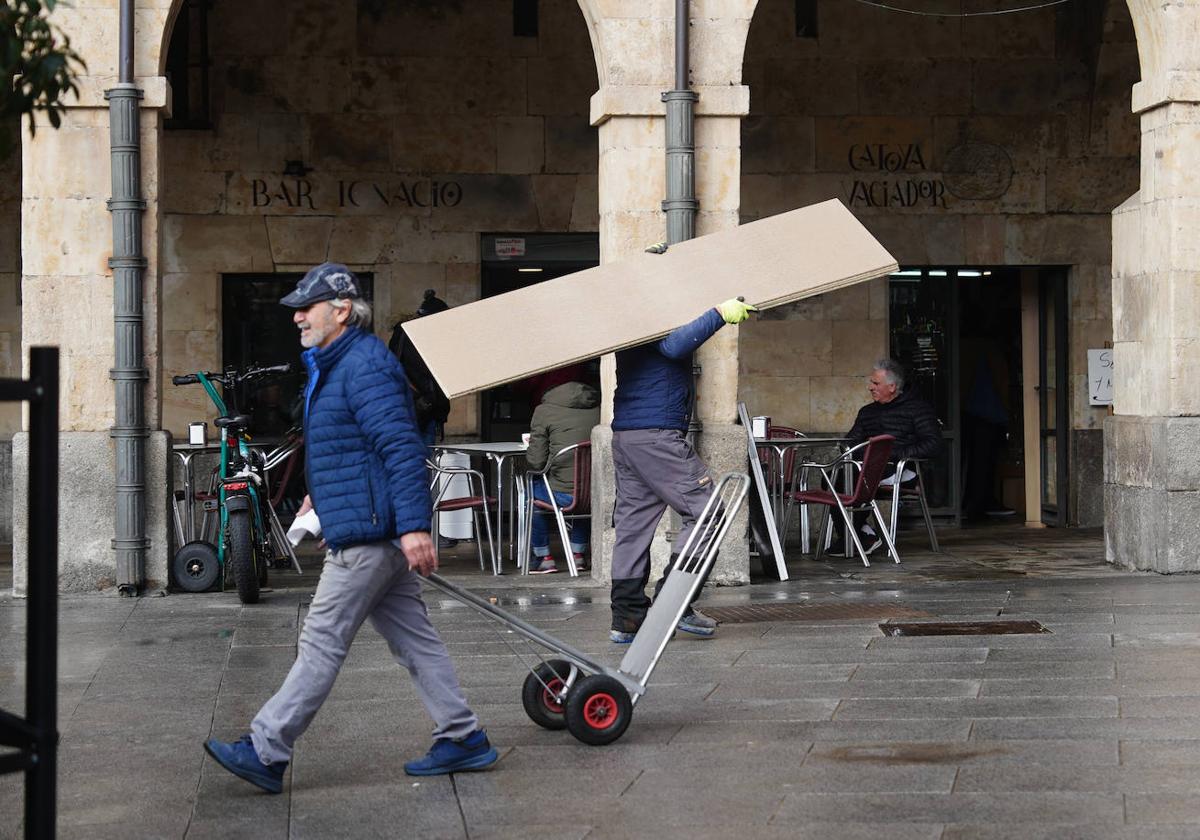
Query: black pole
(681,44)
(41,652)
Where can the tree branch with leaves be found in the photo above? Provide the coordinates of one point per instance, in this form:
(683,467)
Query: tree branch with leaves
(36,56)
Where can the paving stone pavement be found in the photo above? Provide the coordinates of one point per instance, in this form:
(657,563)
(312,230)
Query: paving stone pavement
(824,729)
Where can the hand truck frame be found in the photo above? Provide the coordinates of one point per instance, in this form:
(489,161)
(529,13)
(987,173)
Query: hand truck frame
(593,701)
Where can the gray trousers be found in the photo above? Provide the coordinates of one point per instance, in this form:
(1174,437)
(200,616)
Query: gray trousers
(655,468)
(365,581)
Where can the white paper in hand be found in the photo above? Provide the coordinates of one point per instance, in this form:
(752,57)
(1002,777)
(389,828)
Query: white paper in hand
(302,526)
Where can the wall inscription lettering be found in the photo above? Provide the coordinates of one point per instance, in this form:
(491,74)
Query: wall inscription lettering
(893,175)
(400,194)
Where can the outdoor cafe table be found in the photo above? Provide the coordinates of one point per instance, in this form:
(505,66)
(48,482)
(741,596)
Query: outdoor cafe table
(777,461)
(499,453)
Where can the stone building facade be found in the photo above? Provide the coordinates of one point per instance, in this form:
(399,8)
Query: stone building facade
(395,136)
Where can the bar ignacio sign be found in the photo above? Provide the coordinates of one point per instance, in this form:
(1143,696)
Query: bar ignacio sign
(343,194)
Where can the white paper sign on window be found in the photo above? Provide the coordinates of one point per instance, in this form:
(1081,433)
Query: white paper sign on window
(1100,377)
(512,246)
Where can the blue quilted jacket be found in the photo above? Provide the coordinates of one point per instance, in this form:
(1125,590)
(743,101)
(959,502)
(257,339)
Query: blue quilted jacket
(364,455)
(654,381)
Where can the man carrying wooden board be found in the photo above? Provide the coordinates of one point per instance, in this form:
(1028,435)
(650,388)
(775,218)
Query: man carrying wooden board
(655,465)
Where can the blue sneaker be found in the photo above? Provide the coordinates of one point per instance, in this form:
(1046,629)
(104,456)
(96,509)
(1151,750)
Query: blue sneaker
(698,624)
(474,752)
(241,759)
(620,637)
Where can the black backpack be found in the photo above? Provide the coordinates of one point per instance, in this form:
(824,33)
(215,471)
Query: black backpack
(429,400)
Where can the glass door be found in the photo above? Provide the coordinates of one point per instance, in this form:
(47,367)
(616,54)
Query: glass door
(1053,394)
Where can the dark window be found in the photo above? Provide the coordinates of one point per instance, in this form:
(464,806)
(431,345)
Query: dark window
(188,64)
(806,18)
(525,18)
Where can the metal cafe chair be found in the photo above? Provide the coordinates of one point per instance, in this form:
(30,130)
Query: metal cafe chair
(876,453)
(896,492)
(579,508)
(793,480)
(479,504)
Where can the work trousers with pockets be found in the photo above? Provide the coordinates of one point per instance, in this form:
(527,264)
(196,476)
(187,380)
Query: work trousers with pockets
(358,583)
(655,468)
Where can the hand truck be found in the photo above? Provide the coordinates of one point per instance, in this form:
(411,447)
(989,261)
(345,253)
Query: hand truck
(593,701)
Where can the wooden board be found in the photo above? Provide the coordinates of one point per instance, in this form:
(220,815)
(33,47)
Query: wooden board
(769,262)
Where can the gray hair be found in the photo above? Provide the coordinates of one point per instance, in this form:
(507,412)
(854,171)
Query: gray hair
(360,311)
(892,369)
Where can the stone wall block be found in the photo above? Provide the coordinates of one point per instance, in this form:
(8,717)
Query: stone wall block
(835,401)
(1135,536)
(983,240)
(462,283)
(458,143)
(367,240)
(785,399)
(561,85)
(216,243)
(718,186)
(818,86)
(650,40)
(716,387)
(571,145)
(633,132)
(1130,445)
(1031,86)
(555,196)
(380,86)
(633,177)
(1185,244)
(944,240)
(50,166)
(1182,531)
(68,236)
(491,202)
(1183,304)
(920,86)
(1179,165)
(1083,185)
(785,348)
(627,232)
(87,562)
(320,27)
(723,448)
(520,145)
(298,239)
(867,32)
(1179,461)
(446,84)
(856,346)
(767,195)
(1184,393)
(585,211)
(340,141)
(195,191)
(195,302)
(1008,37)
(878,299)
(778,144)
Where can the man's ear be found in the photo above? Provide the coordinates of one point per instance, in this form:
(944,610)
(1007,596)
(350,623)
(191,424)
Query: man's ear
(341,314)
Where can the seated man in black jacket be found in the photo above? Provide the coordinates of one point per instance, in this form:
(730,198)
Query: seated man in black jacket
(901,414)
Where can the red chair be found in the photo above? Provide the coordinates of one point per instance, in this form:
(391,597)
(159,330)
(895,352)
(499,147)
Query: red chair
(479,504)
(581,500)
(876,454)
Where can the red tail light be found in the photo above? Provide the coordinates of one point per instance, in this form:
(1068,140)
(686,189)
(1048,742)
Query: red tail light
(236,485)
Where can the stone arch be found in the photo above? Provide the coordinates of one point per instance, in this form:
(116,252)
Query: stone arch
(162,38)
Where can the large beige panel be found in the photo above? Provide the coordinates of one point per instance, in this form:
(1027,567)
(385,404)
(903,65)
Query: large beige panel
(784,258)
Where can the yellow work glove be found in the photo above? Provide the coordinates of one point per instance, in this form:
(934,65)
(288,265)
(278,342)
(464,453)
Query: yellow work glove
(735,310)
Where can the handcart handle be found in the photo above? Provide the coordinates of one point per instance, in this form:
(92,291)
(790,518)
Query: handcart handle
(532,633)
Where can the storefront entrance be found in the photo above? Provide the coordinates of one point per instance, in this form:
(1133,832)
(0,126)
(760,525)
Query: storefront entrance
(958,332)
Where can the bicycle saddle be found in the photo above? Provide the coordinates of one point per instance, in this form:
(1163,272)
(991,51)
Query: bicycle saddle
(237,421)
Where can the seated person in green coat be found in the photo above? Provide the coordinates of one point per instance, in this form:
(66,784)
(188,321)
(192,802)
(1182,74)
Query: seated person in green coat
(565,416)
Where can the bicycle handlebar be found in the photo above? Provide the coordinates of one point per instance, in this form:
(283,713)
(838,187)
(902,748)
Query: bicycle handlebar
(231,376)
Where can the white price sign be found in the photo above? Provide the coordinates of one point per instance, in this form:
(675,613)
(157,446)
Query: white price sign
(511,246)
(1100,373)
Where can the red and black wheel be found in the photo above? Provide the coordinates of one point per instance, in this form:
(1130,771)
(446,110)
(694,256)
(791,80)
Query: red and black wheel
(598,710)
(543,694)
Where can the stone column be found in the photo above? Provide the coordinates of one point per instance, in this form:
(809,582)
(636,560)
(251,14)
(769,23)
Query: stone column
(1152,443)
(634,51)
(67,293)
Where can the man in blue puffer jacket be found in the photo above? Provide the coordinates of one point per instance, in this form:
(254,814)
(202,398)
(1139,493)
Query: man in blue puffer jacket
(655,465)
(368,482)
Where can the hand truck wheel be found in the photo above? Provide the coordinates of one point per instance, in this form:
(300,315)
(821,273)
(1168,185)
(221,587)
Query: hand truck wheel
(598,710)
(543,694)
(195,566)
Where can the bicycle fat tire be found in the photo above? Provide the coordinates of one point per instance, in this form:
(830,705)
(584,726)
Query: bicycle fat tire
(241,556)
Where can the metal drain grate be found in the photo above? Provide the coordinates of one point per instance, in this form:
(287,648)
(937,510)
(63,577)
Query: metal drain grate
(809,612)
(961,628)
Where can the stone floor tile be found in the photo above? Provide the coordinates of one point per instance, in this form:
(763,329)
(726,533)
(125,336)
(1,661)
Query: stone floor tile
(1163,808)
(1037,808)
